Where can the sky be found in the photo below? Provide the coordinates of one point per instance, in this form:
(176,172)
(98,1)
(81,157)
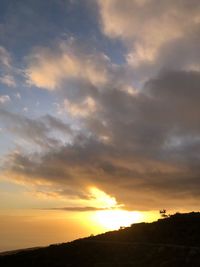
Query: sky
(99,115)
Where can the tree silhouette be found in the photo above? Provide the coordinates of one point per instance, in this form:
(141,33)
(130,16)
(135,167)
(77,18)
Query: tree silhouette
(163,213)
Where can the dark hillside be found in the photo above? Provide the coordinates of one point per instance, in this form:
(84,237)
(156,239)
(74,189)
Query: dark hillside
(173,242)
(179,229)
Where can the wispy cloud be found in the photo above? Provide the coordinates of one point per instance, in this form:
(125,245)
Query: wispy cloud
(8,80)
(77,209)
(5,57)
(4,99)
(35,132)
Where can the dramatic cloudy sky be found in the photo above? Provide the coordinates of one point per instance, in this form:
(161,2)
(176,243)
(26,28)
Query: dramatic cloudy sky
(100,95)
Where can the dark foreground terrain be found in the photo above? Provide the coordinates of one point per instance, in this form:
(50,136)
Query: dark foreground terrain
(174,242)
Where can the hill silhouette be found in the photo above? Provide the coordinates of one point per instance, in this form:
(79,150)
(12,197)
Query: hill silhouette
(173,241)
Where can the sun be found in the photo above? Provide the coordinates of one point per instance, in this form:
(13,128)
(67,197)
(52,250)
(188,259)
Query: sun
(111,215)
(116,218)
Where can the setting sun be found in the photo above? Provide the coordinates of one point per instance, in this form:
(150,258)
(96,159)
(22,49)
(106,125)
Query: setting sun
(116,218)
(112,215)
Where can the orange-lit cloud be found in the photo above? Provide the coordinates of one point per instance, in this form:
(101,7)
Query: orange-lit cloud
(83,109)
(49,68)
(147,26)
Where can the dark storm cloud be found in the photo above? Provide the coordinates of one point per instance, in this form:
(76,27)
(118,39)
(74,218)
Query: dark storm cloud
(150,156)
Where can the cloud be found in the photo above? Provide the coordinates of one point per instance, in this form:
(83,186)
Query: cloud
(48,68)
(6,67)
(151,28)
(8,80)
(5,58)
(150,158)
(78,209)
(4,99)
(41,132)
(133,129)
(83,109)
(18,95)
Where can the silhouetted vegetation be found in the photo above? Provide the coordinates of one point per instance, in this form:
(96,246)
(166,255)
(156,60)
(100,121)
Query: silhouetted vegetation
(173,241)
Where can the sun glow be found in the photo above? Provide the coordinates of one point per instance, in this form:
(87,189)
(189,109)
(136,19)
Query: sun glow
(116,218)
(102,200)
(112,216)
